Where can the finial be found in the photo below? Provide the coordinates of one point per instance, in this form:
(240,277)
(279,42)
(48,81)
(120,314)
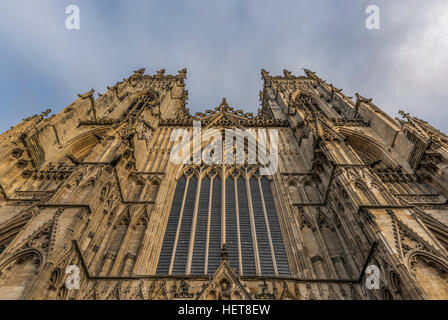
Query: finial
(287,73)
(46,113)
(362,99)
(161,72)
(309,73)
(264,73)
(224,252)
(87,94)
(223,106)
(403,114)
(139,72)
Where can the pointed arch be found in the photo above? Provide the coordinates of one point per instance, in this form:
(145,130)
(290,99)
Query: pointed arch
(154,186)
(80,146)
(137,188)
(367,148)
(432,271)
(308,101)
(119,231)
(365,196)
(294,192)
(19,271)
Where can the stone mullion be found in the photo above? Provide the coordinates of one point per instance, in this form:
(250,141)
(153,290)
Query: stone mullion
(223,206)
(287,155)
(323,250)
(158,154)
(252,225)
(109,259)
(79,225)
(173,254)
(281,162)
(140,248)
(119,258)
(132,182)
(350,259)
(166,157)
(271,245)
(347,218)
(163,152)
(333,152)
(103,252)
(286,216)
(156,225)
(207,242)
(99,150)
(307,257)
(88,253)
(112,148)
(144,191)
(105,236)
(240,257)
(95,224)
(346,226)
(193,227)
(155,138)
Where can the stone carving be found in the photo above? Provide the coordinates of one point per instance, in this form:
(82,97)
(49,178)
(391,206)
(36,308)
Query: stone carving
(94,186)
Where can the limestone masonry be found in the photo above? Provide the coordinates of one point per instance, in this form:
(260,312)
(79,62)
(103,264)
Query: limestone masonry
(94,187)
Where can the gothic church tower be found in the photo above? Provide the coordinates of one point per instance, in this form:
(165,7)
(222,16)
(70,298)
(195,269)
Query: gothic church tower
(95,187)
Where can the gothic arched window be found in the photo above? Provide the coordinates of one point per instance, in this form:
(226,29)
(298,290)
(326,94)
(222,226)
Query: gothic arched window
(237,211)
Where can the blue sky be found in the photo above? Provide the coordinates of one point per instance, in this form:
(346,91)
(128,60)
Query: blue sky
(224,45)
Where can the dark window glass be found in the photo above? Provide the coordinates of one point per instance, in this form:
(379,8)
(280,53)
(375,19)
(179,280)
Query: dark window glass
(316,107)
(214,254)
(200,239)
(264,251)
(247,247)
(171,228)
(180,260)
(231,228)
(274,226)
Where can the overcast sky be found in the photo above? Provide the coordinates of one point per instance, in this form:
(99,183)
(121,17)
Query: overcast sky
(224,44)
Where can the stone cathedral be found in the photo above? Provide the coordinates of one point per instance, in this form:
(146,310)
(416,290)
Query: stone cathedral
(92,207)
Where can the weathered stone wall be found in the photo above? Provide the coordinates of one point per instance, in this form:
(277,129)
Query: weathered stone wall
(92,186)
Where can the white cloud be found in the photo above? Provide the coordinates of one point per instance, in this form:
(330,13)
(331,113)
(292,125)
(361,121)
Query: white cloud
(224,44)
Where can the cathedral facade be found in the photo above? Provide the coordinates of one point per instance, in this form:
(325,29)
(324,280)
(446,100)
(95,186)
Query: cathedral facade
(92,205)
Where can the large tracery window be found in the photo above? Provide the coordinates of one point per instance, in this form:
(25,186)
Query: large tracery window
(208,211)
